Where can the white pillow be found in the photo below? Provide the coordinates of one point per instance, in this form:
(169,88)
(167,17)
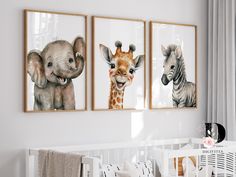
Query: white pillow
(110,170)
(139,169)
(123,174)
(206,172)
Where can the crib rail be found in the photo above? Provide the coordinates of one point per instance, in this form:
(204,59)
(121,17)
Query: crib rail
(120,145)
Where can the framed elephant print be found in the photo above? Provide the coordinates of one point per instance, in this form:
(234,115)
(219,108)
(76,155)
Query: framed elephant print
(55,61)
(173,65)
(118,64)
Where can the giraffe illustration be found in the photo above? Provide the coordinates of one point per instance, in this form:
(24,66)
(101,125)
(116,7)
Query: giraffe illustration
(122,68)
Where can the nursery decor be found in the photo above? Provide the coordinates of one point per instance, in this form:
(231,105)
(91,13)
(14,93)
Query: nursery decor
(118,64)
(55,61)
(173,65)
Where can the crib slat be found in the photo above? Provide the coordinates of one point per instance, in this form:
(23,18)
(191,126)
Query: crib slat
(177,166)
(137,154)
(197,166)
(165,162)
(207,163)
(234,164)
(216,163)
(29,165)
(187,165)
(118,156)
(146,154)
(108,156)
(225,166)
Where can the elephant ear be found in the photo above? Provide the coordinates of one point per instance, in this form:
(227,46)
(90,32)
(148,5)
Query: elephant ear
(79,49)
(35,69)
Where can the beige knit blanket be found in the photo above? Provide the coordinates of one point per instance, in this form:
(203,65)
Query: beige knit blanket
(58,164)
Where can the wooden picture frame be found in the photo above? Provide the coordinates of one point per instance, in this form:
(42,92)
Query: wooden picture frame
(55,54)
(173,46)
(114,87)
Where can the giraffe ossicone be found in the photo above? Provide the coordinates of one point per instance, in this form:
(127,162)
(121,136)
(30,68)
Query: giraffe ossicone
(121,72)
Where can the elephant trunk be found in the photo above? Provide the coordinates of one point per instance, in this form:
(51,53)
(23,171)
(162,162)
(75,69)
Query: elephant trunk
(70,72)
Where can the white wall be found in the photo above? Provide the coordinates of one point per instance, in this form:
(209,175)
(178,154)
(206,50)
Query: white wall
(19,130)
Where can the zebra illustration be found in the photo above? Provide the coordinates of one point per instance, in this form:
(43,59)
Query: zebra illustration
(184,92)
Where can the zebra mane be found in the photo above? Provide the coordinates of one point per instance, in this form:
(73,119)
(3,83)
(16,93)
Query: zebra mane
(171,48)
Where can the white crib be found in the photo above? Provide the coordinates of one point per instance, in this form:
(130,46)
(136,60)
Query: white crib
(165,155)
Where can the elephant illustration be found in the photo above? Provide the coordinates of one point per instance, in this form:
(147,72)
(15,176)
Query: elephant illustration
(52,71)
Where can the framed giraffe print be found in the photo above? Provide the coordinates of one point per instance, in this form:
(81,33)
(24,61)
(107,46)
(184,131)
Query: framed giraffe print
(118,64)
(173,65)
(55,61)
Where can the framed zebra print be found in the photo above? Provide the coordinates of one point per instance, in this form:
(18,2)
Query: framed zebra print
(173,65)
